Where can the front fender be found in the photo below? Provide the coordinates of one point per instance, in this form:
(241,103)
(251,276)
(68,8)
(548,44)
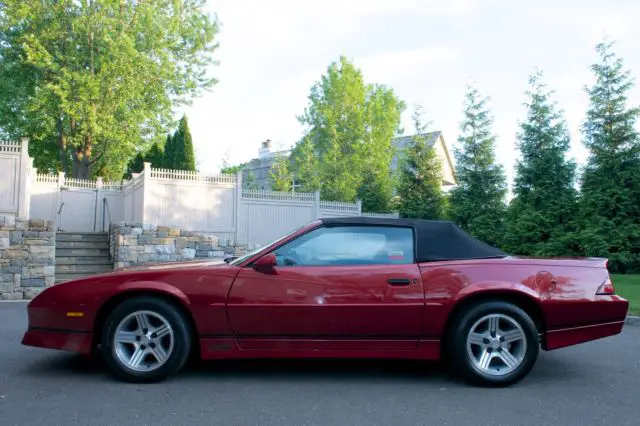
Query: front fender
(153,286)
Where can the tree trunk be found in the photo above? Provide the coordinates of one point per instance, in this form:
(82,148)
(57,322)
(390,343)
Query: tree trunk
(62,147)
(82,163)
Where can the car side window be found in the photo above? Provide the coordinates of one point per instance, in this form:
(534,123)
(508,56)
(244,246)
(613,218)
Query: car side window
(349,245)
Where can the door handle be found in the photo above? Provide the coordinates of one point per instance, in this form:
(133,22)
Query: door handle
(399,281)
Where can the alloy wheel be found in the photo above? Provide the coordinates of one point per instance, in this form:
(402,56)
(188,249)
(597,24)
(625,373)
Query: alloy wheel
(496,344)
(143,341)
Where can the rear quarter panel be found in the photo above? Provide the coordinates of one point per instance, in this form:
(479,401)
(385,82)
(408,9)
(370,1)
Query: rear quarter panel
(564,290)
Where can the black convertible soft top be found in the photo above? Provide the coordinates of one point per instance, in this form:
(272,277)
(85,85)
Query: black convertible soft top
(435,239)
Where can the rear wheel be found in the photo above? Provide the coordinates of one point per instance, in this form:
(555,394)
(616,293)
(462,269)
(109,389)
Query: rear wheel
(145,339)
(494,344)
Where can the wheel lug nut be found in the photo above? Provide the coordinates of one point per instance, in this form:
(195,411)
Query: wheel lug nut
(145,331)
(142,347)
(152,345)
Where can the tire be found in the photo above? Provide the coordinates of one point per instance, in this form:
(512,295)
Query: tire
(133,351)
(487,358)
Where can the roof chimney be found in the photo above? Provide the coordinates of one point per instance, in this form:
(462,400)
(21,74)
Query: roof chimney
(265,149)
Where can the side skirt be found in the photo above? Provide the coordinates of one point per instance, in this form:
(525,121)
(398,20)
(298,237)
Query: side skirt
(228,348)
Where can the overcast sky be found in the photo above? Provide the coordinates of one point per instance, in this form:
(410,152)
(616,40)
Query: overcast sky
(272,51)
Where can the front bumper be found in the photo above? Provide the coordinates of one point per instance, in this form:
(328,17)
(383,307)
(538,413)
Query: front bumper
(65,340)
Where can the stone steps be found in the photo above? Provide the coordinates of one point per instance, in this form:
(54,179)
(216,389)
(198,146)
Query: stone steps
(82,252)
(80,255)
(99,245)
(82,236)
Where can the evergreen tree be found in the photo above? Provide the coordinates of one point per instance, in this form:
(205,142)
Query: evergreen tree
(420,193)
(169,150)
(376,191)
(154,155)
(183,155)
(541,216)
(477,204)
(610,199)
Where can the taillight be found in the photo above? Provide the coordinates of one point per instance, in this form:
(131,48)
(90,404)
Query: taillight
(606,287)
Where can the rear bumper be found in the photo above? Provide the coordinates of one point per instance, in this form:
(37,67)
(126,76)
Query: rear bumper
(65,340)
(556,339)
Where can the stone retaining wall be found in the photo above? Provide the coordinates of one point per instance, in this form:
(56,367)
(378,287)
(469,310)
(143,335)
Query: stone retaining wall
(138,244)
(27,257)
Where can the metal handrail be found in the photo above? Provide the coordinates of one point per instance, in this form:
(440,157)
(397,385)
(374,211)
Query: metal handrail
(60,216)
(105,208)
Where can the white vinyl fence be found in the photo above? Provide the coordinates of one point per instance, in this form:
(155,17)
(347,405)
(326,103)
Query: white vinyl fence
(187,200)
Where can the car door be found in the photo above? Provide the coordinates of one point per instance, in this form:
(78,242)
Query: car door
(333,288)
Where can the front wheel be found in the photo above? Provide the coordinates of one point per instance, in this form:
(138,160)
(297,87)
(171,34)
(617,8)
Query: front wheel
(145,339)
(494,344)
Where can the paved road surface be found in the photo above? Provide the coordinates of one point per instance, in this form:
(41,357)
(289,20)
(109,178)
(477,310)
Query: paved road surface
(595,384)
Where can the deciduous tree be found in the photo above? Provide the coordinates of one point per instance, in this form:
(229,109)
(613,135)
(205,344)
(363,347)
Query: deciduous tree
(280,174)
(349,126)
(95,80)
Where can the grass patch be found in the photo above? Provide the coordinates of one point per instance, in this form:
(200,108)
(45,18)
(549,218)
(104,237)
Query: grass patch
(628,286)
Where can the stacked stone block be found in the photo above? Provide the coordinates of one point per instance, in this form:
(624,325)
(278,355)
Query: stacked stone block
(27,257)
(138,244)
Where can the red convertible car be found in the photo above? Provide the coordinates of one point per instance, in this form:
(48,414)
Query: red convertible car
(337,288)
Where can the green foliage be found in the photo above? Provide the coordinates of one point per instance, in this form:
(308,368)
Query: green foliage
(420,193)
(541,216)
(92,82)
(610,199)
(155,156)
(232,170)
(376,191)
(280,174)
(306,165)
(169,153)
(477,204)
(182,155)
(249,181)
(349,129)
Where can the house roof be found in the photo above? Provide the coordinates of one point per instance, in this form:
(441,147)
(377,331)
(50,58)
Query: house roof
(402,142)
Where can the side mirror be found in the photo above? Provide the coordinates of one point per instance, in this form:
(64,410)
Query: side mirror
(266,263)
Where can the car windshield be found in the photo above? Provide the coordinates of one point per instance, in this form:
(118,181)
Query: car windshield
(241,259)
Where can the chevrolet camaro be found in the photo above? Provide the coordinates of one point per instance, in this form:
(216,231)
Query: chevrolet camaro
(337,288)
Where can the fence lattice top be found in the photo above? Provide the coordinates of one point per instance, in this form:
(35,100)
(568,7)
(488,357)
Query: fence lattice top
(10,146)
(46,178)
(338,205)
(254,194)
(78,183)
(168,174)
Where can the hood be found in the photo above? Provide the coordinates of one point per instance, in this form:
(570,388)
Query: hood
(174,265)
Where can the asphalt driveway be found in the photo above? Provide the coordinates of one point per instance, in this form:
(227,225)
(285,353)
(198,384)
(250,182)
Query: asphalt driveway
(597,383)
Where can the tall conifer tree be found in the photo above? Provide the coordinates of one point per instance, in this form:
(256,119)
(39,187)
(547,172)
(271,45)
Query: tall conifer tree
(541,217)
(610,199)
(477,204)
